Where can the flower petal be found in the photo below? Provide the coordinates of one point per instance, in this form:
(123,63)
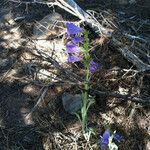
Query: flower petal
(72,59)
(77,39)
(106,135)
(70,48)
(93,66)
(73,29)
(117,137)
(104,141)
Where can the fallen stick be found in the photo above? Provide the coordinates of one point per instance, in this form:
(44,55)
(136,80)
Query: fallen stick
(99,29)
(71,76)
(73,8)
(123,97)
(79,81)
(39,102)
(124,50)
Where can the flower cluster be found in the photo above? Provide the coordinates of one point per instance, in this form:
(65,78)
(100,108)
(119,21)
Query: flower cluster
(72,47)
(104,141)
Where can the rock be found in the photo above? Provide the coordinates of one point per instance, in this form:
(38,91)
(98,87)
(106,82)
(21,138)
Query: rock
(71,103)
(54,48)
(49,25)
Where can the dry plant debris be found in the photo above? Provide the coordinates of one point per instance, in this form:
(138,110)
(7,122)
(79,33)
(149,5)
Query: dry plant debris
(34,74)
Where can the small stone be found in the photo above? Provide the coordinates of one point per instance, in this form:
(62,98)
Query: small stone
(71,103)
(50,25)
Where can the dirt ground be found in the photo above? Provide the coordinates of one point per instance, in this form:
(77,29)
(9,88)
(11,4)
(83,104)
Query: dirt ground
(25,78)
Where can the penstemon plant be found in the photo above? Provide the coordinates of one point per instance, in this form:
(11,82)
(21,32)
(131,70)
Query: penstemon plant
(108,140)
(72,48)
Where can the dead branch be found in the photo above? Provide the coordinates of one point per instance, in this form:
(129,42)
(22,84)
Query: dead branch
(124,50)
(39,102)
(121,96)
(72,76)
(73,8)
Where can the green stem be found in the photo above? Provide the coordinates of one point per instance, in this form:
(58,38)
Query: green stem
(85,102)
(86,87)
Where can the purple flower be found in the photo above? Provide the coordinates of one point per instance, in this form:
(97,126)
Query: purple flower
(104,141)
(72,59)
(72,48)
(93,66)
(77,39)
(117,137)
(73,29)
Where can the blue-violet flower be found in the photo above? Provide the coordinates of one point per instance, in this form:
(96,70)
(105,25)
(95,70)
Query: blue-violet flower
(93,66)
(77,39)
(70,48)
(72,59)
(73,29)
(104,141)
(117,137)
